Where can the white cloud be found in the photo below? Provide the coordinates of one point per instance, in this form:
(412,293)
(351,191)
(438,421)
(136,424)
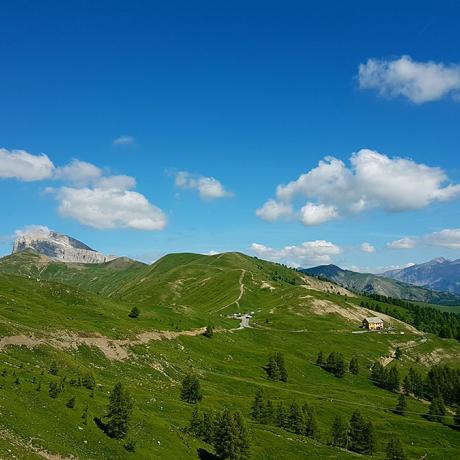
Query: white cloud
(367,247)
(447,238)
(21,165)
(418,81)
(106,208)
(124,140)
(317,214)
(308,253)
(78,173)
(273,210)
(209,188)
(373,180)
(403,243)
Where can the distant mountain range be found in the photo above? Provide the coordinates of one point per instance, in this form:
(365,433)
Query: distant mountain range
(368,283)
(439,274)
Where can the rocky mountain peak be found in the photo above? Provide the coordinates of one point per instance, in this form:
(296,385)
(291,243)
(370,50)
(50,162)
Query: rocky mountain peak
(57,246)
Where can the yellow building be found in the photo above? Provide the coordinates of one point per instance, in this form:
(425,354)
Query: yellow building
(373,324)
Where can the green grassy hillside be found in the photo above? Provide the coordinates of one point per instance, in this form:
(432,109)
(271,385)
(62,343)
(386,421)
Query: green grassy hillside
(90,332)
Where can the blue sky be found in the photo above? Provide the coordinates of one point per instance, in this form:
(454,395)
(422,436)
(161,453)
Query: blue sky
(239,97)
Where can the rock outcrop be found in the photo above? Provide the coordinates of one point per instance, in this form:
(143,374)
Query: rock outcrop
(59,247)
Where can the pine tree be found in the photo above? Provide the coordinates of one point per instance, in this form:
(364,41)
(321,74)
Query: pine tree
(191,389)
(209,427)
(320,359)
(53,390)
(394,450)
(242,440)
(225,442)
(272,368)
(377,373)
(268,413)
(311,425)
(118,412)
(88,381)
(398,353)
(437,409)
(279,357)
(196,423)
(134,313)
(392,380)
(339,432)
(354,366)
(407,385)
(296,419)
(71,403)
(257,410)
(370,439)
(281,416)
(84,415)
(358,432)
(53,370)
(401,406)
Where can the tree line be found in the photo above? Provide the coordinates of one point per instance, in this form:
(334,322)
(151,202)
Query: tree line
(424,318)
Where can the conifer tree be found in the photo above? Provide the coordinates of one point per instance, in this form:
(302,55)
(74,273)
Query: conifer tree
(279,357)
(320,359)
(401,406)
(398,353)
(296,419)
(84,415)
(71,403)
(339,432)
(377,373)
(134,313)
(53,370)
(118,412)
(272,368)
(392,382)
(225,442)
(370,438)
(354,366)
(281,416)
(268,413)
(191,389)
(209,427)
(358,432)
(196,423)
(53,390)
(209,332)
(257,410)
(437,409)
(311,425)
(394,450)
(242,440)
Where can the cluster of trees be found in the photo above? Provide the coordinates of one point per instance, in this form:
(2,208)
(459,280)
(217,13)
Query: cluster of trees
(357,435)
(295,418)
(385,378)
(335,364)
(428,319)
(191,389)
(226,431)
(276,368)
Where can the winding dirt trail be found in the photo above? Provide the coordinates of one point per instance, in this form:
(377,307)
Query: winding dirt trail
(113,349)
(240,296)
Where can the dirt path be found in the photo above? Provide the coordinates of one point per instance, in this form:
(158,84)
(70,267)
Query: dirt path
(240,296)
(113,349)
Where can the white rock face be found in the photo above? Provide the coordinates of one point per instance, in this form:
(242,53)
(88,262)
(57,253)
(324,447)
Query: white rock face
(59,247)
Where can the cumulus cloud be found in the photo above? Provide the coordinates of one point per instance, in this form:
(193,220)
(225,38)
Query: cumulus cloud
(273,210)
(23,166)
(124,140)
(447,238)
(403,243)
(308,253)
(373,180)
(106,208)
(367,247)
(418,81)
(208,188)
(79,173)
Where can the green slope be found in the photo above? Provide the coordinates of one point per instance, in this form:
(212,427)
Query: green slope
(184,291)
